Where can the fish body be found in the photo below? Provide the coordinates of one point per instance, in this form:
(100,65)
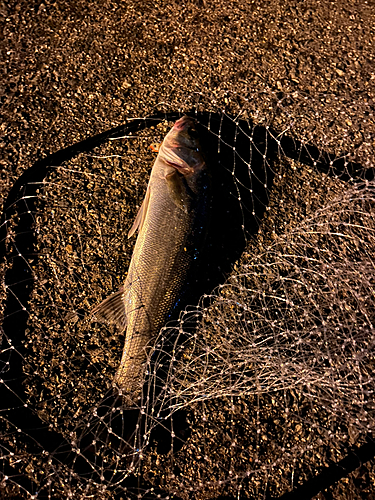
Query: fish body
(172,224)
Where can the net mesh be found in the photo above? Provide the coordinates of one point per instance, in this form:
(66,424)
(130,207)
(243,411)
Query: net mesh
(263,379)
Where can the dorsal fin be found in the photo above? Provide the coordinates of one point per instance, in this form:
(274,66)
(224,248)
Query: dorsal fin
(112,309)
(141,215)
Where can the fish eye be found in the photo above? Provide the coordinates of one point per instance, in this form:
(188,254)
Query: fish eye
(193,133)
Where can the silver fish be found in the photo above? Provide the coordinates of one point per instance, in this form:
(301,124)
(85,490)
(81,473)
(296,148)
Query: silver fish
(172,223)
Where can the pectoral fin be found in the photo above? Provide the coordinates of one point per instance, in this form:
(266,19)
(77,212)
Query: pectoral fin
(141,215)
(112,309)
(179,190)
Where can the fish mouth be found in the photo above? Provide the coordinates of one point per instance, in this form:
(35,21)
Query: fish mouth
(183,123)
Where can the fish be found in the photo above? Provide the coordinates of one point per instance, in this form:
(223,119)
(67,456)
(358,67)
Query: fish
(172,225)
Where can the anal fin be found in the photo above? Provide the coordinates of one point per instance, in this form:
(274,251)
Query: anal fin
(112,309)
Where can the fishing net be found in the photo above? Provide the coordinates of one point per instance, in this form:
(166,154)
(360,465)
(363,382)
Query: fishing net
(264,377)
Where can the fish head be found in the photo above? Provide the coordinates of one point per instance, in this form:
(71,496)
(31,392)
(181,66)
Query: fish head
(181,148)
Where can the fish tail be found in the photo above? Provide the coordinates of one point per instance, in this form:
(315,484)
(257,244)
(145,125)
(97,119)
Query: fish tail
(130,375)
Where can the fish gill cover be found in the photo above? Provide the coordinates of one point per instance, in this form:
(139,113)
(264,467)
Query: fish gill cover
(263,377)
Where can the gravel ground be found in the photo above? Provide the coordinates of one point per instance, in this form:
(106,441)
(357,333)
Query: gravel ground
(72,71)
